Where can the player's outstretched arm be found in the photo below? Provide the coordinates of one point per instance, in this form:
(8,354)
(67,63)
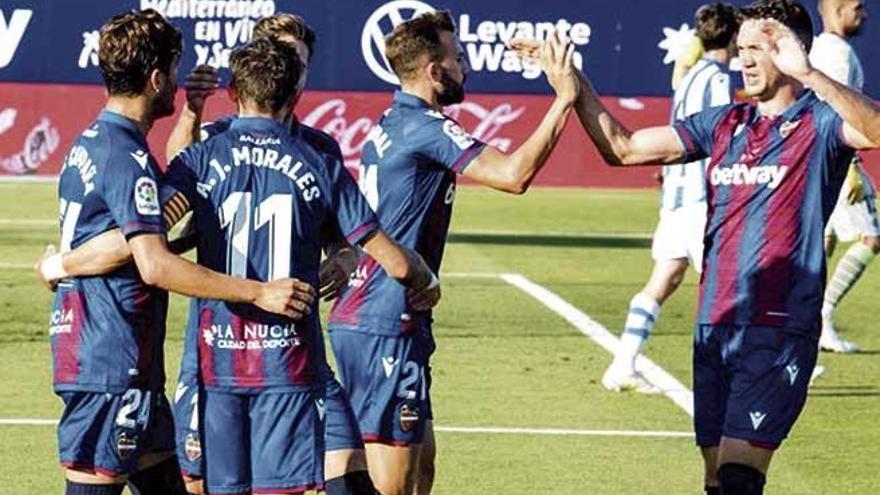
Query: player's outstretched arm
(407,267)
(200,84)
(860,114)
(160,267)
(514,172)
(617,144)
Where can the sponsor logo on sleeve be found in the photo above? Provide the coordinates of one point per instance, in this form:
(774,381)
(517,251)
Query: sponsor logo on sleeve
(146,196)
(461,138)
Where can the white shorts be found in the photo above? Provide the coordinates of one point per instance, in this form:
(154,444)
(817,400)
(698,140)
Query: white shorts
(849,223)
(680,234)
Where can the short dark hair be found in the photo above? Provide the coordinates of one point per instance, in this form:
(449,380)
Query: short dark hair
(419,36)
(717,24)
(280,25)
(265,72)
(134,44)
(789,12)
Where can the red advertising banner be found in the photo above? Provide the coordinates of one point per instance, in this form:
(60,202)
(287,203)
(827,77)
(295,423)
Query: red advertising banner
(39,121)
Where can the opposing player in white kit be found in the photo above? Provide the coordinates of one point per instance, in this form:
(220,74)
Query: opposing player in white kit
(678,240)
(855,216)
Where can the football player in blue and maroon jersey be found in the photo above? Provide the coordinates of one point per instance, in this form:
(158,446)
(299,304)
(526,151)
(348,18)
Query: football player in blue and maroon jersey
(108,331)
(408,172)
(776,166)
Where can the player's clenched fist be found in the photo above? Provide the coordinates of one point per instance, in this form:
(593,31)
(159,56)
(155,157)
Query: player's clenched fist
(287,296)
(335,271)
(200,84)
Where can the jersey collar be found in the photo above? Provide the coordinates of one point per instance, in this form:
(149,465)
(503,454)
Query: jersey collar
(402,98)
(258,124)
(119,120)
(805,99)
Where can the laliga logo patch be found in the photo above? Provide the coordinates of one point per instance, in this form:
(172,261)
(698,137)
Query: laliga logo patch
(193,447)
(788,127)
(209,337)
(409,417)
(462,139)
(125,445)
(146,196)
(382,22)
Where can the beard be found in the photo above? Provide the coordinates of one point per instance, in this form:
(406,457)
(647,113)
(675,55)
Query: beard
(163,106)
(453,92)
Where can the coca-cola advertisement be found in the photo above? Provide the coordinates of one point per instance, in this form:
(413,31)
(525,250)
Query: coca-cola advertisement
(50,86)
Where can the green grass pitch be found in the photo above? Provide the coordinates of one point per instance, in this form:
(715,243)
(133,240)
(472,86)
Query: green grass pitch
(504,359)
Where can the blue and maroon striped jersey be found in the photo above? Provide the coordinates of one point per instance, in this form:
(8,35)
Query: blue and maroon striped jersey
(107,332)
(189,361)
(772,184)
(261,197)
(408,172)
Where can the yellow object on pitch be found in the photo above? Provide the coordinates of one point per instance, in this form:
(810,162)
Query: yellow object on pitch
(688,58)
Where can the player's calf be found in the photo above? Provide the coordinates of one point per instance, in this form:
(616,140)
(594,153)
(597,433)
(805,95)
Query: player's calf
(740,479)
(162,478)
(83,488)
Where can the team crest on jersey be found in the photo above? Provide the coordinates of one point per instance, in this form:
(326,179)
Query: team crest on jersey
(193,447)
(457,135)
(788,127)
(125,445)
(409,417)
(146,196)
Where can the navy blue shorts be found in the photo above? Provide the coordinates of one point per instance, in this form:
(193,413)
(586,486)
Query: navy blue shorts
(271,442)
(388,379)
(750,382)
(108,433)
(341,424)
(187,406)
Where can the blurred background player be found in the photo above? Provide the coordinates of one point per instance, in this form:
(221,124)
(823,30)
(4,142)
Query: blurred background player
(855,216)
(108,353)
(777,165)
(345,466)
(409,165)
(678,240)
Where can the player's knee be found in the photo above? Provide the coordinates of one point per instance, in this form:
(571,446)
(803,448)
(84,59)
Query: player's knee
(354,483)
(872,242)
(163,478)
(740,479)
(77,488)
(194,486)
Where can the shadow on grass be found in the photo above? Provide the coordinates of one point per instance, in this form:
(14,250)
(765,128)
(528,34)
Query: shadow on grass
(550,240)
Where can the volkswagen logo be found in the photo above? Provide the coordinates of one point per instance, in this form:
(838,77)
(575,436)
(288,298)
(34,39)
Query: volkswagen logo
(378,25)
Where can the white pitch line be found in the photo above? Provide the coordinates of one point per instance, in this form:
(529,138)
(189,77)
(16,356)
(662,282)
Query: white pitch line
(499,430)
(671,387)
(16,266)
(27,221)
(489,430)
(469,275)
(27,422)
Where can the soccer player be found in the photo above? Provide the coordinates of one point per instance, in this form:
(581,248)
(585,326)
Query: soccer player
(855,216)
(409,164)
(108,331)
(678,240)
(775,171)
(345,466)
(261,196)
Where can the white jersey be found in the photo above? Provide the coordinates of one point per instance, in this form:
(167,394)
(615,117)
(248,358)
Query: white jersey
(835,57)
(706,84)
